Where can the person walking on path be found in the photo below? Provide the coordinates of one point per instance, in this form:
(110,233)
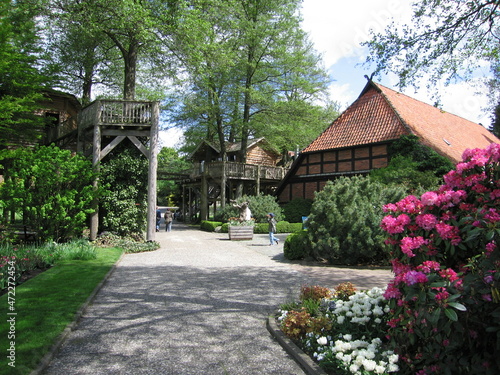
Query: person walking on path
(169,217)
(158,218)
(272,229)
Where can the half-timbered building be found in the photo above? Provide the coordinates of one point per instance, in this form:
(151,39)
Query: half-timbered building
(357,141)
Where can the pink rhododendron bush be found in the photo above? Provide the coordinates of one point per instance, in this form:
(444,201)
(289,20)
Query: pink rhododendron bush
(444,299)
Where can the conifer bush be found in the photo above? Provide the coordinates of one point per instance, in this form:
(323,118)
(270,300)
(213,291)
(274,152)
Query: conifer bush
(296,246)
(296,209)
(344,224)
(444,299)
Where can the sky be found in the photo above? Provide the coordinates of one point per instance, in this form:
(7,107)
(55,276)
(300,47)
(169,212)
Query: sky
(337,27)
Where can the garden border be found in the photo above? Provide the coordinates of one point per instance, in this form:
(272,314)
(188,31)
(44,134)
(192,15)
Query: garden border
(47,358)
(307,364)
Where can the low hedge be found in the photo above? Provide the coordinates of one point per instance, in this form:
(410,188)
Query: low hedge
(297,246)
(263,228)
(210,226)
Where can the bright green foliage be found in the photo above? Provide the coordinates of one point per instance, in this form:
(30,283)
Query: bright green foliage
(413,165)
(281,227)
(296,209)
(297,246)
(344,224)
(51,188)
(124,205)
(20,81)
(169,191)
(403,171)
(426,158)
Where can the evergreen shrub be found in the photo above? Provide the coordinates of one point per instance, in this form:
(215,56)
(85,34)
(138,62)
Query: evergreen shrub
(445,299)
(344,224)
(209,226)
(124,204)
(281,227)
(297,246)
(296,209)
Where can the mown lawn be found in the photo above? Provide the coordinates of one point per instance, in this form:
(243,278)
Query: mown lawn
(44,306)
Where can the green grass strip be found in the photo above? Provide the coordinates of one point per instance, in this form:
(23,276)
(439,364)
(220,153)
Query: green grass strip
(44,306)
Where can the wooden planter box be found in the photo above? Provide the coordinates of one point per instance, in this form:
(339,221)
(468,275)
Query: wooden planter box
(240,232)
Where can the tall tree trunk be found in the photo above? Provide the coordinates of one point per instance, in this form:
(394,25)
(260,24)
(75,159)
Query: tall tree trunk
(130,71)
(130,59)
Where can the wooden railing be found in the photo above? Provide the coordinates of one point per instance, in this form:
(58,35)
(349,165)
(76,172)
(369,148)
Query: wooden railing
(117,112)
(238,171)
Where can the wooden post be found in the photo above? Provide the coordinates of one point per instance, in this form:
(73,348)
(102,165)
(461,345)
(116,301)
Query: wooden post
(190,208)
(183,203)
(153,166)
(204,196)
(223,185)
(258,180)
(96,159)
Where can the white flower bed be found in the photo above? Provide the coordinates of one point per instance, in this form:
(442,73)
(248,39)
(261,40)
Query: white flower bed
(354,344)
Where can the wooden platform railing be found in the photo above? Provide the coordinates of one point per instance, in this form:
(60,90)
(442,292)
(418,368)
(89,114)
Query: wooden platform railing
(117,112)
(238,171)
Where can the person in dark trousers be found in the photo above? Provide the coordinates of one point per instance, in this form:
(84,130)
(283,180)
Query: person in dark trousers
(158,218)
(272,229)
(169,217)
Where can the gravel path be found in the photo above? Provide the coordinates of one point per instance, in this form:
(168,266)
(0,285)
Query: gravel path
(196,306)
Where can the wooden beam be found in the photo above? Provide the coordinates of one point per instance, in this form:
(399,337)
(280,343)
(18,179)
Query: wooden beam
(140,146)
(125,132)
(111,146)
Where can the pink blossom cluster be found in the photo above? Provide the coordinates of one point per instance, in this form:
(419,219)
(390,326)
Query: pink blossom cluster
(434,237)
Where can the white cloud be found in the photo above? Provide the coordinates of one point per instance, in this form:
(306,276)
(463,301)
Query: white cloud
(170,138)
(337,28)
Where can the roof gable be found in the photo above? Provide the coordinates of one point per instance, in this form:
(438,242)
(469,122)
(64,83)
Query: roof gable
(370,119)
(446,133)
(381,114)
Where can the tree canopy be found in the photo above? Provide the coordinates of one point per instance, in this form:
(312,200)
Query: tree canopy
(21,82)
(448,40)
(250,71)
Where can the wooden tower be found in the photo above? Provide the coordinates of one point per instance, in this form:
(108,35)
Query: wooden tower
(103,124)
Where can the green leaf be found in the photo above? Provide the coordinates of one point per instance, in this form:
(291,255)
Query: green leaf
(457,306)
(451,314)
(434,317)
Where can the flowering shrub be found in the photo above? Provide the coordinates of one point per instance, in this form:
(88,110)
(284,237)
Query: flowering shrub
(297,323)
(344,290)
(444,299)
(314,292)
(346,336)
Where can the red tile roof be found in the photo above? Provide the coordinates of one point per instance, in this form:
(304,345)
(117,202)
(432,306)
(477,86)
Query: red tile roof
(381,114)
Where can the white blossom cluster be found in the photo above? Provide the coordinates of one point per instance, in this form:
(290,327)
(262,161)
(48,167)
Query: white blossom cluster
(283,315)
(357,356)
(362,307)
(360,355)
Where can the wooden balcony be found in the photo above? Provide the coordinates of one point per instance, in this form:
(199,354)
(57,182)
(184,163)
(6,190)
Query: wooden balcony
(117,113)
(237,171)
